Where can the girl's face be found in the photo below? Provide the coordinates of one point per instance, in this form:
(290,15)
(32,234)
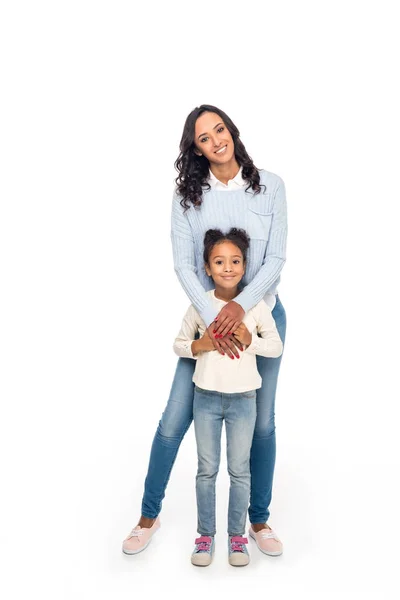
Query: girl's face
(225,265)
(213,140)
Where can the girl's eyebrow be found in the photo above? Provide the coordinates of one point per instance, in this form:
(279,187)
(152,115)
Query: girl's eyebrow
(201,135)
(222,256)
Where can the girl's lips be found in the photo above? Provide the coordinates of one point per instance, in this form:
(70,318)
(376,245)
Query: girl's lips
(221,150)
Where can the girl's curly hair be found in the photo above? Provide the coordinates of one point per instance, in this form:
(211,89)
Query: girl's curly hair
(194,170)
(213,237)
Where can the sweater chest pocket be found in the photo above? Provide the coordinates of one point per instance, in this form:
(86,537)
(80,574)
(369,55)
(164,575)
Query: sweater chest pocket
(259,224)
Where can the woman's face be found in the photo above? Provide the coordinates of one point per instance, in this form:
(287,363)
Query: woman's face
(213,140)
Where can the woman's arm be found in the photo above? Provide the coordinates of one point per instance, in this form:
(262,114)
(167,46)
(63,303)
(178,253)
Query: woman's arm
(185,264)
(269,344)
(275,256)
(185,268)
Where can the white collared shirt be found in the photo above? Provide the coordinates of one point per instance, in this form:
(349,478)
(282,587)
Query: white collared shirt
(233,184)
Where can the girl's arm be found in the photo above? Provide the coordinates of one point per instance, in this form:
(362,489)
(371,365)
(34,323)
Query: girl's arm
(269,344)
(185,345)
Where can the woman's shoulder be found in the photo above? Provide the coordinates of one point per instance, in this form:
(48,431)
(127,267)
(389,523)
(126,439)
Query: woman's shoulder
(271,180)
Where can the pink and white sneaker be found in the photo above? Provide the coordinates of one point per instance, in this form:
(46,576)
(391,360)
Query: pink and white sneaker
(267,541)
(202,554)
(238,555)
(139,538)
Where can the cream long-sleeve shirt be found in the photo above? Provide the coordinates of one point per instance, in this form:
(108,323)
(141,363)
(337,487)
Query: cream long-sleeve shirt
(220,373)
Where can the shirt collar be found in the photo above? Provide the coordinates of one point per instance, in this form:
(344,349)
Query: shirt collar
(236,182)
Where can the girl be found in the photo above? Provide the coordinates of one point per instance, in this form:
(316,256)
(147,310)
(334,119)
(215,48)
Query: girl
(219,186)
(225,391)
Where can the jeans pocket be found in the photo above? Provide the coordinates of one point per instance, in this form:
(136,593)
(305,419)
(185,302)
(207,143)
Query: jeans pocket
(251,394)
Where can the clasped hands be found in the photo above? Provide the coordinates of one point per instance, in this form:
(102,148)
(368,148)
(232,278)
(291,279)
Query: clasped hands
(227,333)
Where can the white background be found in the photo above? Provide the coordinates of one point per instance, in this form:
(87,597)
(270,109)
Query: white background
(93,102)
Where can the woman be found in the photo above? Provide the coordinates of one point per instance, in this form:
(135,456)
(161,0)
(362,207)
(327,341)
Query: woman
(219,186)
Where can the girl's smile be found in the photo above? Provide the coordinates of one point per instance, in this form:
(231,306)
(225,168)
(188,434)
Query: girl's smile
(226,267)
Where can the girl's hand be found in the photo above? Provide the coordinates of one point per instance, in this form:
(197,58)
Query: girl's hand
(206,342)
(227,345)
(203,344)
(228,319)
(243,334)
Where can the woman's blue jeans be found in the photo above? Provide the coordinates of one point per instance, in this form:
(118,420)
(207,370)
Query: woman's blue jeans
(178,415)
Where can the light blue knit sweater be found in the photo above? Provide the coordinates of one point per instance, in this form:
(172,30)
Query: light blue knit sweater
(262,215)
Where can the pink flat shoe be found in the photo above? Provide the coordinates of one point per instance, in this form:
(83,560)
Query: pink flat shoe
(267,541)
(139,538)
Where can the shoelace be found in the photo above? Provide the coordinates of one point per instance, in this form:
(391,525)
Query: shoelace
(270,535)
(238,544)
(135,533)
(202,544)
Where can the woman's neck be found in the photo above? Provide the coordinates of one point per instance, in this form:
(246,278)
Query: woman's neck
(225,295)
(225,172)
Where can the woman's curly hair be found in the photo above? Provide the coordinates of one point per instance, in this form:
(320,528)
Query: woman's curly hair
(237,236)
(194,170)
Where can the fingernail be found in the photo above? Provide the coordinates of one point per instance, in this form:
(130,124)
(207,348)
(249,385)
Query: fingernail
(216,319)
(232,357)
(230,333)
(237,355)
(214,330)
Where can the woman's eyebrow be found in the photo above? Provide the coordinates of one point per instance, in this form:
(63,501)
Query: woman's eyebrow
(201,135)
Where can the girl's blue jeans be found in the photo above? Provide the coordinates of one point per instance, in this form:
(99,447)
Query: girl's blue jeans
(210,410)
(178,415)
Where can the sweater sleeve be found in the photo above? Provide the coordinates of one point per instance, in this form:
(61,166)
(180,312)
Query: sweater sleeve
(185,337)
(275,254)
(269,344)
(185,264)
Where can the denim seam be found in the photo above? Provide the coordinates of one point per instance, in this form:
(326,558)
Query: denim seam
(172,464)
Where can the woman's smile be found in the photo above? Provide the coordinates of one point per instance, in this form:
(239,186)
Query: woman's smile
(221,150)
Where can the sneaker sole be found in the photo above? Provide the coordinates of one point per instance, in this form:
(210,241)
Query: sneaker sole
(131,552)
(199,564)
(264,551)
(205,564)
(233,564)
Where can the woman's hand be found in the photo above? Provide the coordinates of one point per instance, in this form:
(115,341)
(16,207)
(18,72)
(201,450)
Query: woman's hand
(226,345)
(228,319)
(243,334)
